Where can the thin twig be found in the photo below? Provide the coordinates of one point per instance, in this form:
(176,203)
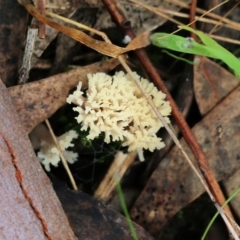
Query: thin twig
(40,4)
(209,14)
(192,18)
(65,164)
(198,18)
(184,128)
(153,10)
(162,13)
(28,52)
(216,27)
(79,25)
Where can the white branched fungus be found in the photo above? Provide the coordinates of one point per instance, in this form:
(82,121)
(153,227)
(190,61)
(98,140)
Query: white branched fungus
(115,106)
(49,153)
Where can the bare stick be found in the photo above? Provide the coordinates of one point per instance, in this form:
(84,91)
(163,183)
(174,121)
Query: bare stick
(28,52)
(65,164)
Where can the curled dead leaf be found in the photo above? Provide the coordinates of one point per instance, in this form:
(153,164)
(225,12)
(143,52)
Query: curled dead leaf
(105,48)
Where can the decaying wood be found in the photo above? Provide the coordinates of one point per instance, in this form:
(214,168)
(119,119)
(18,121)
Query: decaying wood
(118,168)
(30,208)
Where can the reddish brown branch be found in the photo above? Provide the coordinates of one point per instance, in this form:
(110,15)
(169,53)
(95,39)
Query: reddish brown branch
(40,4)
(193,8)
(183,126)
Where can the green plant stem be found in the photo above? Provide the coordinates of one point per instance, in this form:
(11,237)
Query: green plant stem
(217,213)
(124,208)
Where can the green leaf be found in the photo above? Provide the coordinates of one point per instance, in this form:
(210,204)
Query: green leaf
(209,48)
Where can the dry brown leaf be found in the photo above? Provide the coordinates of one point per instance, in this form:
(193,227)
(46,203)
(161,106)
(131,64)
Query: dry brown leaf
(105,48)
(211,84)
(30,208)
(37,101)
(173,184)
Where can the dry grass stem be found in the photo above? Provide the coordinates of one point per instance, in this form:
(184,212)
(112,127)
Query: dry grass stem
(207,20)
(208,13)
(102,47)
(79,25)
(161,12)
(65,164)
(225,16)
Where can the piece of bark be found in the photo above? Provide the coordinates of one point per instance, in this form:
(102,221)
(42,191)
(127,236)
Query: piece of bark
(30,208)
(18,220)
(13,19)
(38,100)
(173,184)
